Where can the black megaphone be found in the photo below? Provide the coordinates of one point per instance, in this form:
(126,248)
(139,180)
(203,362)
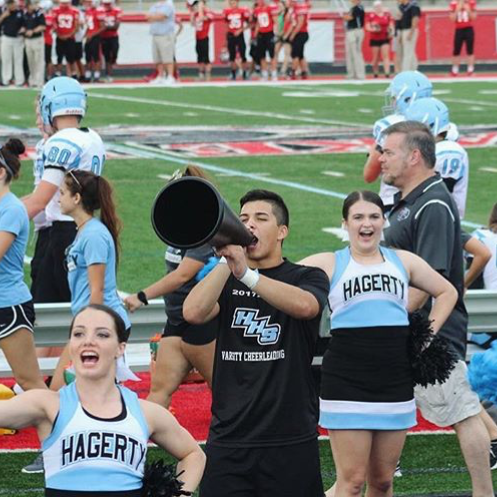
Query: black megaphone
(190,212)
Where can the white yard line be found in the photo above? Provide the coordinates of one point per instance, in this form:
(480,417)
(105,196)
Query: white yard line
(226,110)
(147,152)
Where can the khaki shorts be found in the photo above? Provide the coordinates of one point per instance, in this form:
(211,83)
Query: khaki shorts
(450,402)
(163,49)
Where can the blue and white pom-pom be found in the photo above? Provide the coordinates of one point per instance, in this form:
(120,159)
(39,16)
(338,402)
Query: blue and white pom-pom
(482,374)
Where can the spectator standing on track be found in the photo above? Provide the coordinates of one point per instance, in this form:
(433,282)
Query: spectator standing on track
(424,220)
(409,29)
(110,36)
(379,24)
(236,18)
(35,25)
(95,25)
(66,24)
(299,36)
(266,18)
(12,49)
(201,19)
(353,41)
(262,439)
(463,13)
(161,17)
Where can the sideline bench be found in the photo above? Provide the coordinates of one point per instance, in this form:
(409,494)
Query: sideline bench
(52,325)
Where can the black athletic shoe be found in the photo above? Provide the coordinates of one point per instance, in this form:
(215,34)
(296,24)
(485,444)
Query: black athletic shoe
(36,466)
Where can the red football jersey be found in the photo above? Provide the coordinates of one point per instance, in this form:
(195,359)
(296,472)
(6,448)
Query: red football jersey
(66,20)
(264,17)
(202,26)
(380,25)
(463,19)
(112,16)
(48,33)
(94,18)
(302,9)
(236,18)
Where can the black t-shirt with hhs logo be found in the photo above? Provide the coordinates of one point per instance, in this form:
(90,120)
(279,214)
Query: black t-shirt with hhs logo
(263,391)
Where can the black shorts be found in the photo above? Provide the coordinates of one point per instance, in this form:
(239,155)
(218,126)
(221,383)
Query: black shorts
(379,43)
(110,49)
(92,50)
(78,50)
(52,285)
(16,317)
(193,334)
(254,52)
(464,36)
(265,44)
(42,239)
(48,54)
(65,49)
(298,45)
(283,471)
(236,43)
(202,48)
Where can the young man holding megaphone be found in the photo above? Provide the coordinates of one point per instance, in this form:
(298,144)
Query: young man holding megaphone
(263,434)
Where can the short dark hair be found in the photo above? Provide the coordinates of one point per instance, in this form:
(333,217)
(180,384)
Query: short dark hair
(417,136)
(280,210)
(355,196)
(122,332)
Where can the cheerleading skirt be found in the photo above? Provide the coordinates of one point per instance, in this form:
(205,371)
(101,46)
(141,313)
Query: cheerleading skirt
(366,380)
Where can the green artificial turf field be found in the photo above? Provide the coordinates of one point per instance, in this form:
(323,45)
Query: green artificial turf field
(313,185)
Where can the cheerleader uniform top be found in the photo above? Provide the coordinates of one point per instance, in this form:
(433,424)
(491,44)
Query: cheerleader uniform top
(368,295)
(89,454)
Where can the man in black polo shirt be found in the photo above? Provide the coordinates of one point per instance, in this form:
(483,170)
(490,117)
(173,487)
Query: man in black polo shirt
(262,440)
(425,220)
(34,23)
(408,29)
(353,42)
(12,25)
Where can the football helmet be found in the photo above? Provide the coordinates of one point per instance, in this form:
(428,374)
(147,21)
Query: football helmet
(62,96)
(432,112)
(405,89)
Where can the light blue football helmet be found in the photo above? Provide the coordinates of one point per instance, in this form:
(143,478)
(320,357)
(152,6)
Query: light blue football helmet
(432,112)
(62,96)
(405,89)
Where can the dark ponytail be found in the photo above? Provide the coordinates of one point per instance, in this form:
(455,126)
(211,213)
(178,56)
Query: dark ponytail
(96,193)
(9,158)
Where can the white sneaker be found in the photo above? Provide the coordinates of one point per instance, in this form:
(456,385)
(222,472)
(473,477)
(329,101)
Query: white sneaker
(169,81)
(274,76)
(159,80)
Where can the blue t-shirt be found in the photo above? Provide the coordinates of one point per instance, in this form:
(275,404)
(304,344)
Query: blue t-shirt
(93,245)
(13,219)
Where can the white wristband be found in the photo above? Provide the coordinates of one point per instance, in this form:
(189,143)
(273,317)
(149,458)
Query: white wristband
(250,278)
(222,260)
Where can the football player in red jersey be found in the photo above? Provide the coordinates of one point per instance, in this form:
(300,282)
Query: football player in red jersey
(66,23)
(237,18)
(95,25)
(46,6)
(299,37)
(201,18)
(110,35)
(463,13)
(380,25)
(266,18)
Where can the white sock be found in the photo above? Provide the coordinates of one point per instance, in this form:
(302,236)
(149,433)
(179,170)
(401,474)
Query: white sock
(87,74)
(97,74)
(471,68)
(455,69)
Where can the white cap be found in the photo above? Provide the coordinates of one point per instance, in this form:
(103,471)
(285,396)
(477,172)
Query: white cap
(65,1)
